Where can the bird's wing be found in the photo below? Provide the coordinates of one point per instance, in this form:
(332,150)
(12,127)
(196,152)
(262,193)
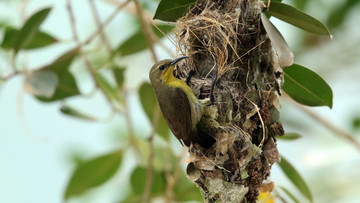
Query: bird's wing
(178,114)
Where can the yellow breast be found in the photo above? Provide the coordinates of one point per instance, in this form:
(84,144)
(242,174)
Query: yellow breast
(168,78)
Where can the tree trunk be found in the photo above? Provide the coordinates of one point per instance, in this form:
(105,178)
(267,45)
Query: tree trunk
(227,44)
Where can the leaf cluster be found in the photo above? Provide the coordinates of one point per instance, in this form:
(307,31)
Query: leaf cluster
(55,82)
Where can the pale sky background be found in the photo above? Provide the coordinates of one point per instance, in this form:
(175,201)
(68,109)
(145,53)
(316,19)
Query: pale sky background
(36,145)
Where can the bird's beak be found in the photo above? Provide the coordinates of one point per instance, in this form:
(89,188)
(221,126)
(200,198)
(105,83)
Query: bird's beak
(175,61)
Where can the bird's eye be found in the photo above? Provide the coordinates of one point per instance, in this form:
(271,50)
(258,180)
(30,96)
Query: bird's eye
(161,67)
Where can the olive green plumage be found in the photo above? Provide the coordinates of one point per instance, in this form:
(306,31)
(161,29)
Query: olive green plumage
(180,107)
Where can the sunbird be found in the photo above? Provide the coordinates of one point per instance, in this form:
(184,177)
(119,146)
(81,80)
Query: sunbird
(182,110)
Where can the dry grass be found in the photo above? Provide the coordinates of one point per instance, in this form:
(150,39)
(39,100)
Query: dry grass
(210,34)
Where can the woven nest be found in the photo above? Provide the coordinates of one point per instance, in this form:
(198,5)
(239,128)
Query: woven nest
(230,53)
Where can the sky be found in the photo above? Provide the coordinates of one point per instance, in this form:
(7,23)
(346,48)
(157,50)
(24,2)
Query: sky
(38,143)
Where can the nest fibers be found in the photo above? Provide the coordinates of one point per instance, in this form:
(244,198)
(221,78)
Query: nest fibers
(225,41)
(213,35)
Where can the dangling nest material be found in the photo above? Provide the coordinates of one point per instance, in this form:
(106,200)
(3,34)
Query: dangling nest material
(227,44)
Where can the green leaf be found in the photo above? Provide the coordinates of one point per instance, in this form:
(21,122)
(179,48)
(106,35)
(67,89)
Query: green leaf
(301,4)
(307,87)
(170,10)
(66,86)
(289,194)
(289,136)
(132,198)
(9,38)
(185,190)
(150,104)
(138,181)
(119,74)
(295,178)
(297,18)
(164,159)
(107,88)
(93,173)
(356,123)
(29,30)
(40,39)
(137,42)
(41,83)
(71,111)
(2,24)
(340,13)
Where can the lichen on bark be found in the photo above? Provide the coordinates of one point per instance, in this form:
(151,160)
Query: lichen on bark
(232,57)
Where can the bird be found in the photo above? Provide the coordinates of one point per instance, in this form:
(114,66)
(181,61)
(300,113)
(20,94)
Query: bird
(182,110)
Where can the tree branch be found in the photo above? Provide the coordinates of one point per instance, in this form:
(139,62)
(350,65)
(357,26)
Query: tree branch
(85,59)
(150,168)
(106,22)
(146,29)
(98,23)
(150,42)
(129,123)
(337,131)
(171,179)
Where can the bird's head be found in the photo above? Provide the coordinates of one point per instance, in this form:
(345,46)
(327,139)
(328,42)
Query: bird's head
(163,70)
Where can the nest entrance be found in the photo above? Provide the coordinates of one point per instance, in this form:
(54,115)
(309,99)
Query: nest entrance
(225,41)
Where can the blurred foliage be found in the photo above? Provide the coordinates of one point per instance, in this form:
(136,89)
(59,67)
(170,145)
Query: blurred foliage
(93,173)
(137,42)
(66,86)
(356,123)
(29,30)
(295,178)
(118,73)
(40,39)
(55,82)
(169,10)
(138,184)
(338,15)
(73,112)
(109,90)
(289,136)
(289,194)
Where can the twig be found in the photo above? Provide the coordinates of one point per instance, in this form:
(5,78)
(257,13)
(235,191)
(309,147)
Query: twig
(72,21)
(337,131)
(23,5)
(150,168)
(250,50)
(262,123)
(105,23)
(162,44)
(131,9)
(129,124)
(150,42)
(146,29)
(85,59)
(171,179)
(7,77)
(87,41)
(98,23)
(148,16)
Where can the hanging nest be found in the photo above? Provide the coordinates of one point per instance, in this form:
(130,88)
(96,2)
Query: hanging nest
(232,57)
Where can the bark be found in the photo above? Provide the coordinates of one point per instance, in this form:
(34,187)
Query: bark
(227,44)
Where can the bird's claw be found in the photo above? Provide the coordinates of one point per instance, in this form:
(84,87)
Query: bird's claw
(205,102)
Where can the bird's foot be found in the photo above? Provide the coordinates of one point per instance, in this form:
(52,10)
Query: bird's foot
(189,75)
(205,102)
